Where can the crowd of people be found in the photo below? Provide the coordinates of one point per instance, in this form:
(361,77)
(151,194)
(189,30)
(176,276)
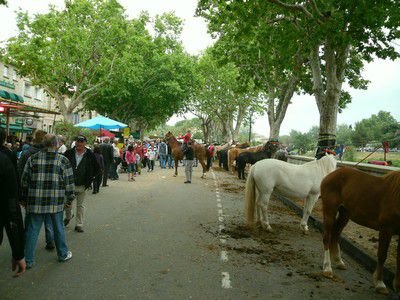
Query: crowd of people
(45,177)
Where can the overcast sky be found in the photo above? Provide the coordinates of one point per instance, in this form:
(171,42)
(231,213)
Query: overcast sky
(383,92)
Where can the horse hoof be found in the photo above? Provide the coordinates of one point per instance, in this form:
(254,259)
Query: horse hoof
(341,266)
(306,231)
(382,290)
(268,228)
(328,274)
(174,175)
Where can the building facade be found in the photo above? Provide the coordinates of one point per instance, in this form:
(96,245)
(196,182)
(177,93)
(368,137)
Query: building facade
(35,96)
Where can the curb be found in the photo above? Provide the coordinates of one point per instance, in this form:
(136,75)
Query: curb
(351,248)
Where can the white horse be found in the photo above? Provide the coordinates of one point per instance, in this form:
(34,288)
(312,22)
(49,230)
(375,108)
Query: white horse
(298,181)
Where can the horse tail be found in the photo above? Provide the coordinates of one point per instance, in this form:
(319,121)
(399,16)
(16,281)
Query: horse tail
(250,196)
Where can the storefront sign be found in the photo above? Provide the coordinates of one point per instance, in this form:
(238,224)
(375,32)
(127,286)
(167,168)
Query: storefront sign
(127,131)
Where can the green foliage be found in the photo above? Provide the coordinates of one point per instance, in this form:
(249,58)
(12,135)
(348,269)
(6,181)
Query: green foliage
(70,53)
(302,141)
(344,134)
(350,154)
(180,128)
(333,38)
(376,129)
(220,95)
(69,131)
(153,77)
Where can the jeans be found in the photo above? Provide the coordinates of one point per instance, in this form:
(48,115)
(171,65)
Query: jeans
(170,161)
(33,224)
(132,168)
(163,160)
(48,226)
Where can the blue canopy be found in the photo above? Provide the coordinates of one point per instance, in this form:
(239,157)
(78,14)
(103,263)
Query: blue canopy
(101,122)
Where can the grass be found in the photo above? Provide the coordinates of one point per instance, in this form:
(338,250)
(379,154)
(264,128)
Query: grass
(394,157)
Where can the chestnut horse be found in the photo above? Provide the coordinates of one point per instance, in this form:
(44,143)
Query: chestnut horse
(200,152)
(234,152)
(370,201)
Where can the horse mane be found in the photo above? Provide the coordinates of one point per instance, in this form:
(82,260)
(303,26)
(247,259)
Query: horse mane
(393,181)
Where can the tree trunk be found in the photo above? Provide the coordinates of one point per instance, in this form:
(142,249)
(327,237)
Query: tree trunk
(226,131)
(205,130)
(327,125)
(276,113)
(274,130)
(239,121)
(67,117)
(328,98)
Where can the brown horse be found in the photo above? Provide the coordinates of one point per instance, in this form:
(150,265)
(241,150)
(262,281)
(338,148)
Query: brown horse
(200,152)
(371,201)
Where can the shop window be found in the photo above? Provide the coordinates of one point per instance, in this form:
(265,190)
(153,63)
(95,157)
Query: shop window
(38,93)
(28,90)
(14,76)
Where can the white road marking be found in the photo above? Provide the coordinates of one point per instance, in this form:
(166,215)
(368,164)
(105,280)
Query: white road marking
(226,281)
(224,256)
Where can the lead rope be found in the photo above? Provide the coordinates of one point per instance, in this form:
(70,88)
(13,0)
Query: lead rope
(376,148)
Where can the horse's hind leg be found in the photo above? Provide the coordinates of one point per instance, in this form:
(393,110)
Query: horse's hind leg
(329,212)
(308,207)
(204,168)
(338,226)
(262,203)
(384,241)
(176,167)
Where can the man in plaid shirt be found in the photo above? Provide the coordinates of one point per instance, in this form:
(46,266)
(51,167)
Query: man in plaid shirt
(47,187)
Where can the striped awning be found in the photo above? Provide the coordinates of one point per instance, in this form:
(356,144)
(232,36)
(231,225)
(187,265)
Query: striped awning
(11,96)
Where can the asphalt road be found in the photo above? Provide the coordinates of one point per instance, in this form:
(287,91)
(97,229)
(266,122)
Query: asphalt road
(158,238)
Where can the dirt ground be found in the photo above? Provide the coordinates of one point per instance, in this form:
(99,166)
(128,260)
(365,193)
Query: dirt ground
(296,258)
(366,238)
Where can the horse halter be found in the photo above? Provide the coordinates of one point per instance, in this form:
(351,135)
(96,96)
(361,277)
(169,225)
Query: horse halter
(328,151)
